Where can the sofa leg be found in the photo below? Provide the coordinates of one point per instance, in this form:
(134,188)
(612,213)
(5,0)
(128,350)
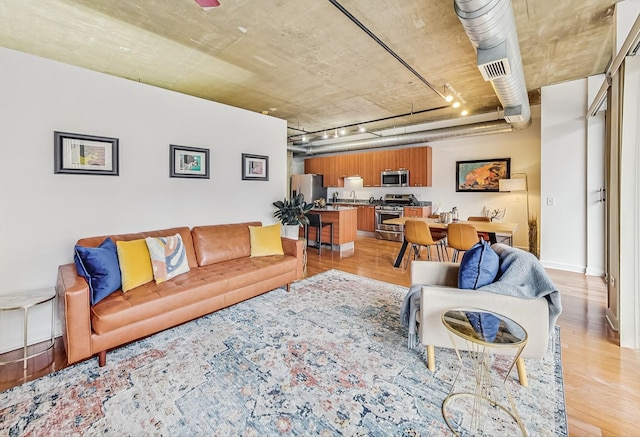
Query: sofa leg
(102,358)
(522,372)
(288,288)
(431,358)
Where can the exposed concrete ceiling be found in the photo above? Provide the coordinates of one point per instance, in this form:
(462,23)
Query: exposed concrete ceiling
(304,60)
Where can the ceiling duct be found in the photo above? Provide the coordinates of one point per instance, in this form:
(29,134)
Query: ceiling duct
(422,137)
(491,28)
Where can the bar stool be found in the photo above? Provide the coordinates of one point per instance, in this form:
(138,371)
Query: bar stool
(315,221)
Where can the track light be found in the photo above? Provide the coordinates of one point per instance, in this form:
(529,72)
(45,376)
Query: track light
(343,131)
(361,129)
(324,135)
(456,104)
(335,133)
(464,112)
(449,98)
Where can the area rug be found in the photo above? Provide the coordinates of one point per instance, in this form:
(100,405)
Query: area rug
(328,358)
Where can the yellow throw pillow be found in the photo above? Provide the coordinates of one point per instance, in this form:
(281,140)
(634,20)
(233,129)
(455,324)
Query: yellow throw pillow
(135,263)
(265,240)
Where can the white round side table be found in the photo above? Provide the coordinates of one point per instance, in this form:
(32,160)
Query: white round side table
(25,301)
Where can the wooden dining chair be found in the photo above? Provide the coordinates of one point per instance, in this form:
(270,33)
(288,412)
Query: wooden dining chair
(461,237)
(483,235)
(418,234)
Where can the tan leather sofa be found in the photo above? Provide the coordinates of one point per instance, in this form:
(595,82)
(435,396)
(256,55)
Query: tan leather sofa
(221,274)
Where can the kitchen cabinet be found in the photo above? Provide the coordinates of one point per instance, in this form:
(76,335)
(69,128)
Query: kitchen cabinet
(419,166)
(417,211)
(366,218)
(369,165)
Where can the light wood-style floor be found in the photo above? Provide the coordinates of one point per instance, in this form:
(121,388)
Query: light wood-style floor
(601,380)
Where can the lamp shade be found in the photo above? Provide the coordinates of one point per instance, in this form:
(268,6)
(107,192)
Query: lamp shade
(513,184)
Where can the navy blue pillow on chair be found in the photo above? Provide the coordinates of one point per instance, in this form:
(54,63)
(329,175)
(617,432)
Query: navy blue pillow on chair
(100,267)
(479,266)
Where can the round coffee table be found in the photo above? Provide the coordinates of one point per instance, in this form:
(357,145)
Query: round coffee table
(25,301)
(482,333)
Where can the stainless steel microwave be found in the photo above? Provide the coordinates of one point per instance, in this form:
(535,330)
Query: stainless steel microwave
(398,178)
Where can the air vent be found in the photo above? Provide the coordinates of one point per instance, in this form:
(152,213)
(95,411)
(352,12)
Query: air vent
(513,114)
(493,63)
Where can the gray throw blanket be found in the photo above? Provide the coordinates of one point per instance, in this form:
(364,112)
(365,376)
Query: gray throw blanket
(410,307)
(520,274)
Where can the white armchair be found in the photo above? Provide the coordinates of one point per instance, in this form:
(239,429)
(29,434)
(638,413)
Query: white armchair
(440,293)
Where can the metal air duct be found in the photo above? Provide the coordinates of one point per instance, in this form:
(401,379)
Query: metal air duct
(491,28)
(491,127)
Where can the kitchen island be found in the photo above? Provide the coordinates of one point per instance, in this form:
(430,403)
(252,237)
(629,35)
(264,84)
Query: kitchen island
(344,219)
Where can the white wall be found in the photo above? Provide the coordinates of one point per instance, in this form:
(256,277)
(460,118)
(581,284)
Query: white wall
(563,186)
(43,214)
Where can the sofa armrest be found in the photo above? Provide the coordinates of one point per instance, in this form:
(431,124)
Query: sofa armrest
(295,248)
(435,273)
(531,314)
(74,313)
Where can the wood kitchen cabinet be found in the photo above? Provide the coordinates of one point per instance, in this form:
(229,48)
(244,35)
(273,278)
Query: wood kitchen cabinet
(417,211)
(369,165)
(366,218)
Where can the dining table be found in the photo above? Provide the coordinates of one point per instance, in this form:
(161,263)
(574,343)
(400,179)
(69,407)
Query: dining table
(491,228)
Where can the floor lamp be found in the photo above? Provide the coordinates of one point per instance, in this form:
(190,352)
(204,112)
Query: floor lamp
(522,184)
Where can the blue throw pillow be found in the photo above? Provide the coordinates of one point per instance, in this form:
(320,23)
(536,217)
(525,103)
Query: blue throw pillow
(479,266)
(100,267)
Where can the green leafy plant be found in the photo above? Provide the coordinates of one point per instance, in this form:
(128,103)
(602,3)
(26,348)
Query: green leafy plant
(294,211)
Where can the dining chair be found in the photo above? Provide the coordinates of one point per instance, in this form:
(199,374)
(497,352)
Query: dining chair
(461,237)
(438,234)
(483,235)
(418,234)
(315,221)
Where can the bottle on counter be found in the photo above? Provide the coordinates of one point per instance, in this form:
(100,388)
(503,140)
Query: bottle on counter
(454,214)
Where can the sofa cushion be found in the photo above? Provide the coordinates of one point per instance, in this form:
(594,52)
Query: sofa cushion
(218,243)
(168,257)
(169,299)
(479,266)
(266,240)
(135,263)
(99,266)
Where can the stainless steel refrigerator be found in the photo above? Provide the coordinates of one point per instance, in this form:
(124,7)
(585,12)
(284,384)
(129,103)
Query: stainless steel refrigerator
(308,184)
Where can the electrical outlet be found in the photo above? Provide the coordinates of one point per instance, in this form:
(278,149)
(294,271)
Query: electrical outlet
(551,201)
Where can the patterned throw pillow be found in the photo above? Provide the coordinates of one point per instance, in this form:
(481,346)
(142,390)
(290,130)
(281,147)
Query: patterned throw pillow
(168,257)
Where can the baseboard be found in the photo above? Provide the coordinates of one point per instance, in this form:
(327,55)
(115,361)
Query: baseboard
(564,267)
(594,272)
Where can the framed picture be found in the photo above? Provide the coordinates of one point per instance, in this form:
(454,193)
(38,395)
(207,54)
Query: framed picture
(255,167)
(482,175)
(84,154)
(188,162)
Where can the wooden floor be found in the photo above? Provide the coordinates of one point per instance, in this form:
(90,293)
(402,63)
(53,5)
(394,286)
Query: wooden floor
(601,380)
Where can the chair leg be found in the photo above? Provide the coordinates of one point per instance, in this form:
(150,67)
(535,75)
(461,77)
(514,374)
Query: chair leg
(319,239)
(431,358)
(522,372)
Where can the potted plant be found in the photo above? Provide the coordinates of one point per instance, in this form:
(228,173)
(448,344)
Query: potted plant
(292,213)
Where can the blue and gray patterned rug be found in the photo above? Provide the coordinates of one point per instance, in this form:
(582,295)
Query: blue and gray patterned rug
(329,358)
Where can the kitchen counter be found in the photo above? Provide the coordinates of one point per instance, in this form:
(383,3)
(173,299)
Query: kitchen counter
(344,219)
(337,207)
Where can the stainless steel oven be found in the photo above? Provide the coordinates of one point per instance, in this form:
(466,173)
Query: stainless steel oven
(386,231)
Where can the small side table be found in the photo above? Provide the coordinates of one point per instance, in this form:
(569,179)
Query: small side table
(483,332)
(25,301)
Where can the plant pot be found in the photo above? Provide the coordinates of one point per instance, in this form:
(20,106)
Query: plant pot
(291,231)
